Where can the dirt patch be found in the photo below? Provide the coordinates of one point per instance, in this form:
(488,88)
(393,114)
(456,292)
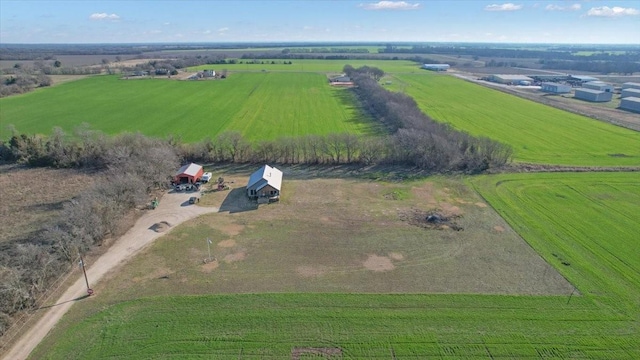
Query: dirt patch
(432,219)
(396,256)
(378,263)
(227,243)
(450,210)
(481,205)
(311,271)
(232,229)
(237,256)
(498,228)
(210,266)
(161,226)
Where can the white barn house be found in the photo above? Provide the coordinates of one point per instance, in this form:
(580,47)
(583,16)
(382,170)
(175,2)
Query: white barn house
(266,183)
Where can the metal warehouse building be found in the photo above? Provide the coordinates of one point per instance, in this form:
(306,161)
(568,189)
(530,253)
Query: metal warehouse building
(598,85)
(511,79)
(631,104)
(555,88)
(436,67)
(583,78)
(630,92)
(631,85)
(593,95)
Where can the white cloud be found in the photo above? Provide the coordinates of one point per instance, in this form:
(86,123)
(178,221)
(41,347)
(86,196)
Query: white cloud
(503,7)
(104,16)
(223,29)
(574,7)
(391,5)
(615,11)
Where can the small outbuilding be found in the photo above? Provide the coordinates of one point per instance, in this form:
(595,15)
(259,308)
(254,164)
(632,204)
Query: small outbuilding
(631,85)
(436,67)
(189,174)
(630,104)
(593,95)
(265,184)
(598,85)
(555,88)
(630,92)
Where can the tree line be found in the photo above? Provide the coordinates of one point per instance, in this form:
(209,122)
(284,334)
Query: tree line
(129,166)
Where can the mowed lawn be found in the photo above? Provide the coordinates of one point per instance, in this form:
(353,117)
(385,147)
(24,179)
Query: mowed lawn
(582,224)
(260,106)
(312,65)
(538,133)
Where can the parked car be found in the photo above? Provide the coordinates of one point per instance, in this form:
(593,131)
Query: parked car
(179,188)
(206,177)
(193,200)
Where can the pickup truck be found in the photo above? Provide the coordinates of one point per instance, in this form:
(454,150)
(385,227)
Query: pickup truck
(206,177)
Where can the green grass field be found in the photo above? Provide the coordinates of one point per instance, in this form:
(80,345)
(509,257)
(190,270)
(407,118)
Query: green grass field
(260,106)
(582,224)
(538,133)
(313,65)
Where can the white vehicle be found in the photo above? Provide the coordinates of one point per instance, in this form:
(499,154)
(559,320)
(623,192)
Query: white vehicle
(206,177)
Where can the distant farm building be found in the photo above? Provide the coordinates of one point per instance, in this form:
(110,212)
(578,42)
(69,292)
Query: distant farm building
(208,73)
(189,174)
(555,88)
(511,79)
(598,85)
(630,85)
(265,184)
(630,92)
(582,78)
(436,67)
(630,104)
(593,95)
(341,78)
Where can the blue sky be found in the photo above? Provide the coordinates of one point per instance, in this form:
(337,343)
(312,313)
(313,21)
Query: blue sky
(139,21)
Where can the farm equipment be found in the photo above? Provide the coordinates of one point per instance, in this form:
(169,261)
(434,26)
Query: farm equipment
(221,185)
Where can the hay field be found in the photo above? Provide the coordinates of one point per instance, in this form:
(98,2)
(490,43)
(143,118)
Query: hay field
(261,106)
(538,133)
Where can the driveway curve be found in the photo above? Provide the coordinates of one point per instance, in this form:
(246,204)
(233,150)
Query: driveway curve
(174,209)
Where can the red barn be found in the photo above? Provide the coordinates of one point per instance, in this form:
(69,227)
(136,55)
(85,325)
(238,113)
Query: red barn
(189,174)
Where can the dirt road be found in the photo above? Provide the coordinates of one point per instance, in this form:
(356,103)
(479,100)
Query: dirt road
(173,209)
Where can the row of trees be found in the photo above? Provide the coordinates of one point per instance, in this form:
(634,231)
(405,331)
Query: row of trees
(419,140)
(23,82)
(130,166)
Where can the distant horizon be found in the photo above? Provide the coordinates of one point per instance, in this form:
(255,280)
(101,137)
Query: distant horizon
(417,21)
(342,43)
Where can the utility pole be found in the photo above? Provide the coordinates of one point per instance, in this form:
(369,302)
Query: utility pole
(86,280)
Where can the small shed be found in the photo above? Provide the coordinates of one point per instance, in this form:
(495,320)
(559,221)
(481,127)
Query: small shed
(630,92)
(266,182)
(631,85)
(555,88)
(630,104)
(598,85)
(593,95)
(340,79)
(189,174)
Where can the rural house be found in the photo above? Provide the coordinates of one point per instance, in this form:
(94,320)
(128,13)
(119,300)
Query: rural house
(189,174)
(265,183)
